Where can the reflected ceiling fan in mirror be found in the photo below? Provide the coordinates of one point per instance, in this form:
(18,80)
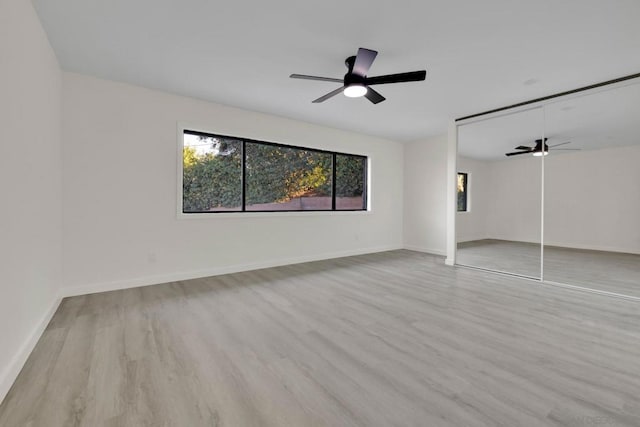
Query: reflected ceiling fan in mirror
(537,150)
(356,83)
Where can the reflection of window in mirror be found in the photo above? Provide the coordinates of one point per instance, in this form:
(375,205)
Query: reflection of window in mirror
(463,192)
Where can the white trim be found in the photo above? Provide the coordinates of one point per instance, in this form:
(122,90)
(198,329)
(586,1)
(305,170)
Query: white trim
(180,173)
(556,244)
(452,194)
(248,214)
(472,238)
(508,240)
(368,193)
(632,251)
(431,251)
(542,213)
(10,373)
(215,271)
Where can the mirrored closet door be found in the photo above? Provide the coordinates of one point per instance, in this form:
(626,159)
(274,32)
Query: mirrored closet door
(498,219)
(552,192)
(592,194)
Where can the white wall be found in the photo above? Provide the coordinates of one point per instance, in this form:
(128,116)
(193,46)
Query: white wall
(120,225)
(514,199)
(30,184)
(592,199)
(425,195)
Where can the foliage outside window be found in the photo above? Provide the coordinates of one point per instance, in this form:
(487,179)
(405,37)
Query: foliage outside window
(350,182)
(227,174)
(462,191)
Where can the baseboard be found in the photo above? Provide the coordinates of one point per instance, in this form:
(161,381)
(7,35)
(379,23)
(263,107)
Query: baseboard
(216,271)
(633,251)
(564,245)
(11,372)
(533,242)
(463,239)
(431,251)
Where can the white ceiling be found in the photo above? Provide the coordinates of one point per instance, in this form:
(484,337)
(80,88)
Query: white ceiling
(606,118)
(478,54)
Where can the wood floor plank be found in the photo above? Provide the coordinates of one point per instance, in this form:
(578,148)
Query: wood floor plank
(388,339)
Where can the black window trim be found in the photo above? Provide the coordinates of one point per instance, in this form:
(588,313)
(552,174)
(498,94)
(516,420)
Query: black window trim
(334,154)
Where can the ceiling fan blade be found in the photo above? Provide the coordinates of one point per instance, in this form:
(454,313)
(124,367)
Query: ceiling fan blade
(518,152)
(374,96)
(363,61)
(562,143)
(524,147)
(322,79)
(329,95)
(412,76)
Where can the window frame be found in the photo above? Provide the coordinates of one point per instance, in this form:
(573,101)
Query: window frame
(467,192)
(197,130)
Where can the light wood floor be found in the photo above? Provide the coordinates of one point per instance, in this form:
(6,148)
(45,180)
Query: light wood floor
(389,339)
(605,271)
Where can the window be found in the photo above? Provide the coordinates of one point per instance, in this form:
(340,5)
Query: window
(229,174)
(351,178)
(463,192)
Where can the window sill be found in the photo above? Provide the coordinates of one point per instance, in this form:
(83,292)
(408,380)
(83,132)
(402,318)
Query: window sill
(223,215)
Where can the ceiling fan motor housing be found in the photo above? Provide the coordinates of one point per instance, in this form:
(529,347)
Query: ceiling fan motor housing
(539,145)
(351,78)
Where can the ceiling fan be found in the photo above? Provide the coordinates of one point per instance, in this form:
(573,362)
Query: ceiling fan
(356,83)
(538,150)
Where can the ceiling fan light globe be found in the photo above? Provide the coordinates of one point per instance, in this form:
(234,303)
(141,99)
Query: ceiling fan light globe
(539,153)
(355,91)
